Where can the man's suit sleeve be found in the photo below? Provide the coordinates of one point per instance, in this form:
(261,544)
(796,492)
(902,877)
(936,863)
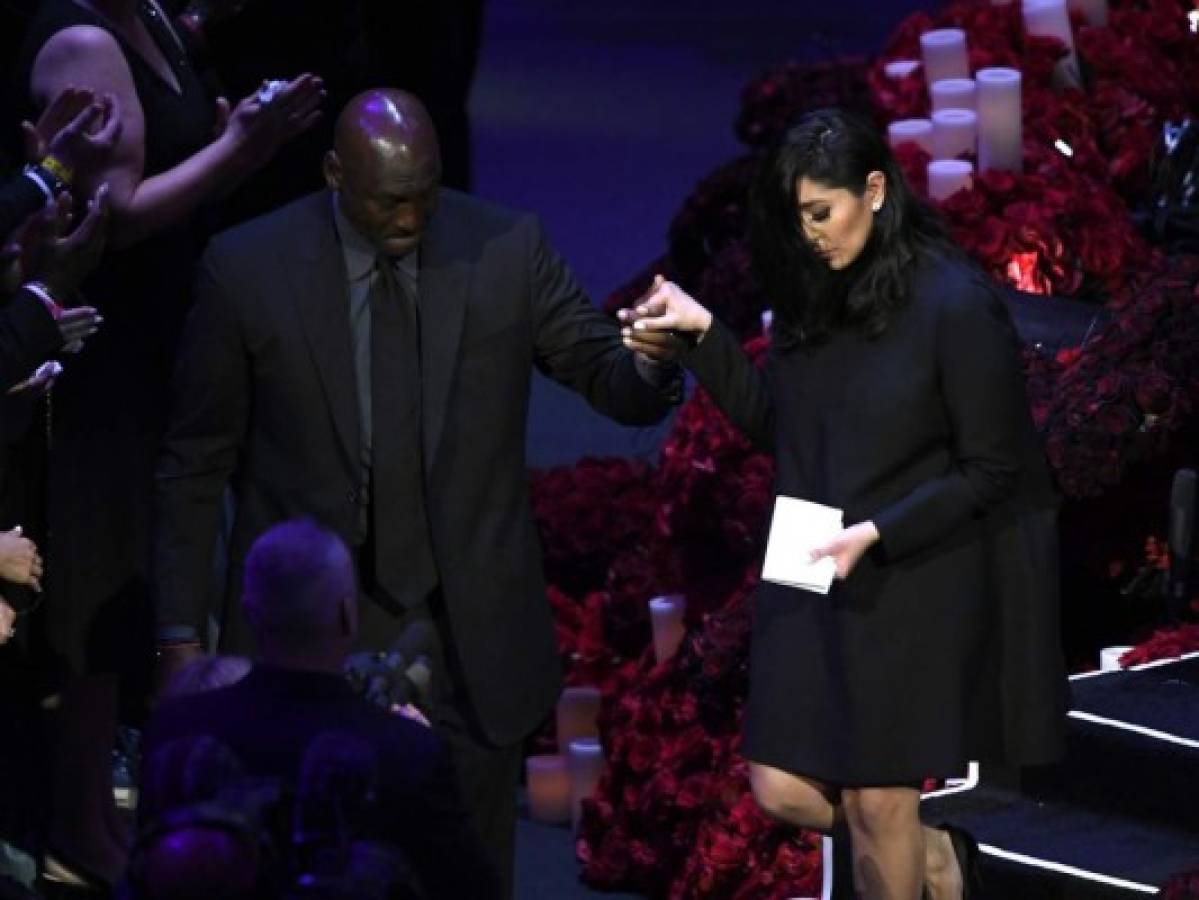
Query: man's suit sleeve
(20,198)
(209,410)
(28,337)
(581,347)
(984,397)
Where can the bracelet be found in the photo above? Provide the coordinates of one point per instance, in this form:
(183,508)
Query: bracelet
(58,168)
(39,290)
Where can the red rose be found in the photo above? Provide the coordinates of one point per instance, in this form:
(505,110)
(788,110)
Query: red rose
(1153,393)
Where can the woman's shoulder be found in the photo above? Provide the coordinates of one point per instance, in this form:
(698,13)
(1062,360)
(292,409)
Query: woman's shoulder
(948,283)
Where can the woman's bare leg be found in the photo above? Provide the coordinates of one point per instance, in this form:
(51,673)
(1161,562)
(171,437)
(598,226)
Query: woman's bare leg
(888,841)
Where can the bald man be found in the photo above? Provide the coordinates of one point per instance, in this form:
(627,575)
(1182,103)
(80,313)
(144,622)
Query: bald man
(294,707)
(363,356)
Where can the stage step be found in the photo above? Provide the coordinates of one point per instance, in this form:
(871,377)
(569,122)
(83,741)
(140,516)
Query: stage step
(1118,816)
(1133,745)
(1063,850)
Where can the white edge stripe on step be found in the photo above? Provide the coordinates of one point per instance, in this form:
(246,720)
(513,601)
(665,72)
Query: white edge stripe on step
(957,785)
(1064,869)
(826,887)
(1139,668)
(1138,729)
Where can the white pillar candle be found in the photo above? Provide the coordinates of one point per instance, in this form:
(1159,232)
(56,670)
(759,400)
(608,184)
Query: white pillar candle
(578,710)
(945,54)
(911,131)
(901,68)
(586,763)
(1093,11)
(666,616)
(1000,129)
(953,93)
(1109,658)
(1051,18)
(955,131)
(948,176)
(547,783)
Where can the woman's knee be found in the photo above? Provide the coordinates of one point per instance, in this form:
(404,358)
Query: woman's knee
(881,809)
(791,798)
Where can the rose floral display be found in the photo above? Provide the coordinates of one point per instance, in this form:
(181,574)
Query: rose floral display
(673,816)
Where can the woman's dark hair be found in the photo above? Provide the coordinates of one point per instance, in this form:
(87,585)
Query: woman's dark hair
(810,300)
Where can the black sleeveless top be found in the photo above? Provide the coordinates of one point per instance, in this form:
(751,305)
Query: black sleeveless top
(177,124)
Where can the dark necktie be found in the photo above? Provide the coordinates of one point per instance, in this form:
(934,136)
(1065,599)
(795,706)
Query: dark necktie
(405,571)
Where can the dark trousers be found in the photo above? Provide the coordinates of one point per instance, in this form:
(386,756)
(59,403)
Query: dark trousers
(488,774)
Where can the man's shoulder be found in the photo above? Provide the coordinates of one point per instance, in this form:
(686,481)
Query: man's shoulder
(466,211)
(273,231)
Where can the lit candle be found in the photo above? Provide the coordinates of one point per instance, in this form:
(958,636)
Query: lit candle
(955,131)
(1000,130)
(953,93)
(1109,658)
(911,131)
(548,788)
(666,615)
(948,176)
(1093,11)
(578,709)
(1051,18)
(944,54)
(901,68)
(586,763)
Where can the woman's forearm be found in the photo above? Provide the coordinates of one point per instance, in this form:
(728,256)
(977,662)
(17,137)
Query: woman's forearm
(163,200)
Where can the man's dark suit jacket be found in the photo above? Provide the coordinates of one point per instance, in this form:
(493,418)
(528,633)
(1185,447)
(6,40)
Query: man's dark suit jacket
(265,396)
(271,717)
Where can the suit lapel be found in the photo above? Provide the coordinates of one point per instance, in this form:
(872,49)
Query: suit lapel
(318,281)
(444,286)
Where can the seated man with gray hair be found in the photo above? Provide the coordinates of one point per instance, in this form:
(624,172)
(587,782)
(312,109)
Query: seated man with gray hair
(300,597)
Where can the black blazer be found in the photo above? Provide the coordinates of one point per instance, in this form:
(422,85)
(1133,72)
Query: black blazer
(264,395)
(20,198)
(28,337)
(271,717)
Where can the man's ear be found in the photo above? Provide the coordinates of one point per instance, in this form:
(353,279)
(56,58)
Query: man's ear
(331,166)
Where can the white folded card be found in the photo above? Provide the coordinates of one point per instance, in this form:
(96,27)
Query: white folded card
(798,527)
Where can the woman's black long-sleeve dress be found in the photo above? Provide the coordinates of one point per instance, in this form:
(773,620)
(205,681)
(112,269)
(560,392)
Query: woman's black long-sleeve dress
(942,644)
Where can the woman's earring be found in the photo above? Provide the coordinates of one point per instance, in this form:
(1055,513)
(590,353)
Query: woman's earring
(878,204)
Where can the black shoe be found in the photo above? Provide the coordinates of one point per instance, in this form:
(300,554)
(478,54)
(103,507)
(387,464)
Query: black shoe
(965,850)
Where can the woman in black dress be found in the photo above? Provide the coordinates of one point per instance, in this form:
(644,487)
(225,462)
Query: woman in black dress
(893,393)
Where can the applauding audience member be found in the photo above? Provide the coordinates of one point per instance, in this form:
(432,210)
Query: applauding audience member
(179,148)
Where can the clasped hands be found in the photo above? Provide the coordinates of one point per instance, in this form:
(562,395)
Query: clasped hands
(664,323)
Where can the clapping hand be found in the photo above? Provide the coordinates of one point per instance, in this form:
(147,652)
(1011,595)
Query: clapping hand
(20,562)
(260,127)
(847,547)
(78,129)
(665,322)
(8,617)
(62,259)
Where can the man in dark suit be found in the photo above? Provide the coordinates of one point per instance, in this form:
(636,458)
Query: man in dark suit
(363,356)
(301,600)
